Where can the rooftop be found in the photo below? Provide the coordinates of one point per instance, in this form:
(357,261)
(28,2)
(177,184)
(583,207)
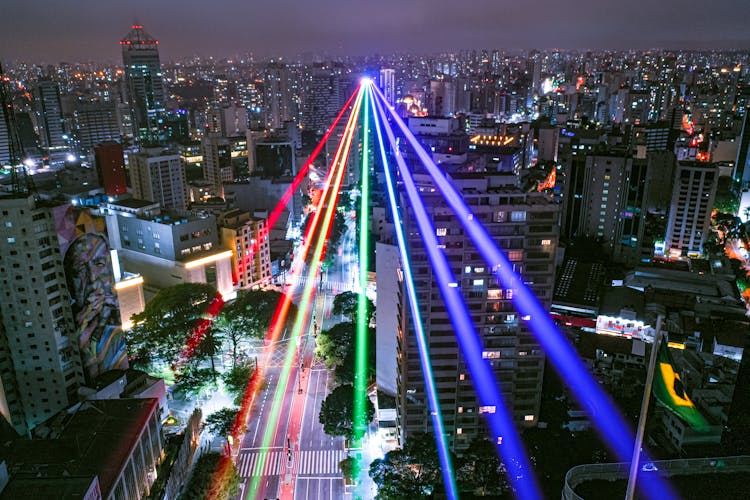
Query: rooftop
(95,439)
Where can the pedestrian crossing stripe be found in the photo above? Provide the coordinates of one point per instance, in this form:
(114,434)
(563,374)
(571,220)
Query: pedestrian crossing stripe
(320,462)
(314,463)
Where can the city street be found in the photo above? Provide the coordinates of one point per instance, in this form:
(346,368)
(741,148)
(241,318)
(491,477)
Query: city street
(313,471)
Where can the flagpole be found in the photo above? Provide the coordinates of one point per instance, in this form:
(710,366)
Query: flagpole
(635,462)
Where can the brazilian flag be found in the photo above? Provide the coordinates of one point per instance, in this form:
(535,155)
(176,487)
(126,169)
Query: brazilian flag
(670,391)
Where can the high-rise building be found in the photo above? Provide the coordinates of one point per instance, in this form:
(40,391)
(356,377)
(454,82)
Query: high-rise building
(40,363)
(217,162)
(741,164)
(145,84)
(95,122)
(388,84)
(49,119)
(247,237)
(110,167)
(4,142)
(228,120)
(693,194)
(278,99)
(526,227)
(159,177)
(318,103)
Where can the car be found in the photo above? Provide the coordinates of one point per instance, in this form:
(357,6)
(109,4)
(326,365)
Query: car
(649,467)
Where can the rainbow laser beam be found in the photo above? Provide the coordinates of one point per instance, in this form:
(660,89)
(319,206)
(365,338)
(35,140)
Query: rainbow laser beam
(598,405)
(273,217)
(446,464)
(303,309)
(362,333)
(500,421)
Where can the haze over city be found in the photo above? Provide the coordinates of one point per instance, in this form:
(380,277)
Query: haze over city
(374,250)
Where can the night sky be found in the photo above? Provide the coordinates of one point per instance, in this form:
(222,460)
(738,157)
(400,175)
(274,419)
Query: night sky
(81,30)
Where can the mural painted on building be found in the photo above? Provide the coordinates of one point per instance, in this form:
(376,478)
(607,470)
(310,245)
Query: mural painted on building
(91,282)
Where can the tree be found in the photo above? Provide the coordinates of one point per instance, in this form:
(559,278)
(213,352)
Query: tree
(193,381)
(161,331)
(221,422)
(411,472)
(337,412)
(350,468)
(237,378)
(480,470)
(344,371)
(347,303)
(214,476)
(249,316)
(335,344)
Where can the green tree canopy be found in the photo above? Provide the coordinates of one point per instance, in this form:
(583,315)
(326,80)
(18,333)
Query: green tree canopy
(480,470)
(336,343)
(410,472)
(161,331)
(248,317)
(204,482)
(237,379)
(337,412)
(193,381)
(346,303)
(221,422)
(344,371)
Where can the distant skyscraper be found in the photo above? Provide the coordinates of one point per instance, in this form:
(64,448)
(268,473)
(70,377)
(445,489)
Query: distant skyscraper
(693,193)
(278,99)
(49,114)
(388,84)
(110,167)
(146,94)
(94,123)
(318,102)
(158,177)
(217,162)
(40,364)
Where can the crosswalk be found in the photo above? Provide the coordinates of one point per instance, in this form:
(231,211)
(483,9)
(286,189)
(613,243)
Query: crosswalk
(320,462)
(314,463)
(275,463)
(330,285)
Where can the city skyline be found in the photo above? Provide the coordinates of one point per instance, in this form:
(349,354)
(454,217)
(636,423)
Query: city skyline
(336,28)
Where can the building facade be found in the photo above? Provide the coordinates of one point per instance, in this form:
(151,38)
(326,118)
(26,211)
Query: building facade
(158,177)
(145,84)
(693,194)
(247,237)
(526,227)
(40,365)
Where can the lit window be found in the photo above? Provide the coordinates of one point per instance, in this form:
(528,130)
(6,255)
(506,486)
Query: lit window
(499,440)
(518,216)
(459,431)
(11,240)
(509,293)
(494,294)
(460,409)
(462,377)
(441,231)
(467,269)
(515,255)
(490,354)
(478,282)
(478,269)
(487,409)
(546,243)
(529,418)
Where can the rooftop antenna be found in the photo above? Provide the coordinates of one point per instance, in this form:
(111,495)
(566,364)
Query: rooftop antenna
(19,186)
